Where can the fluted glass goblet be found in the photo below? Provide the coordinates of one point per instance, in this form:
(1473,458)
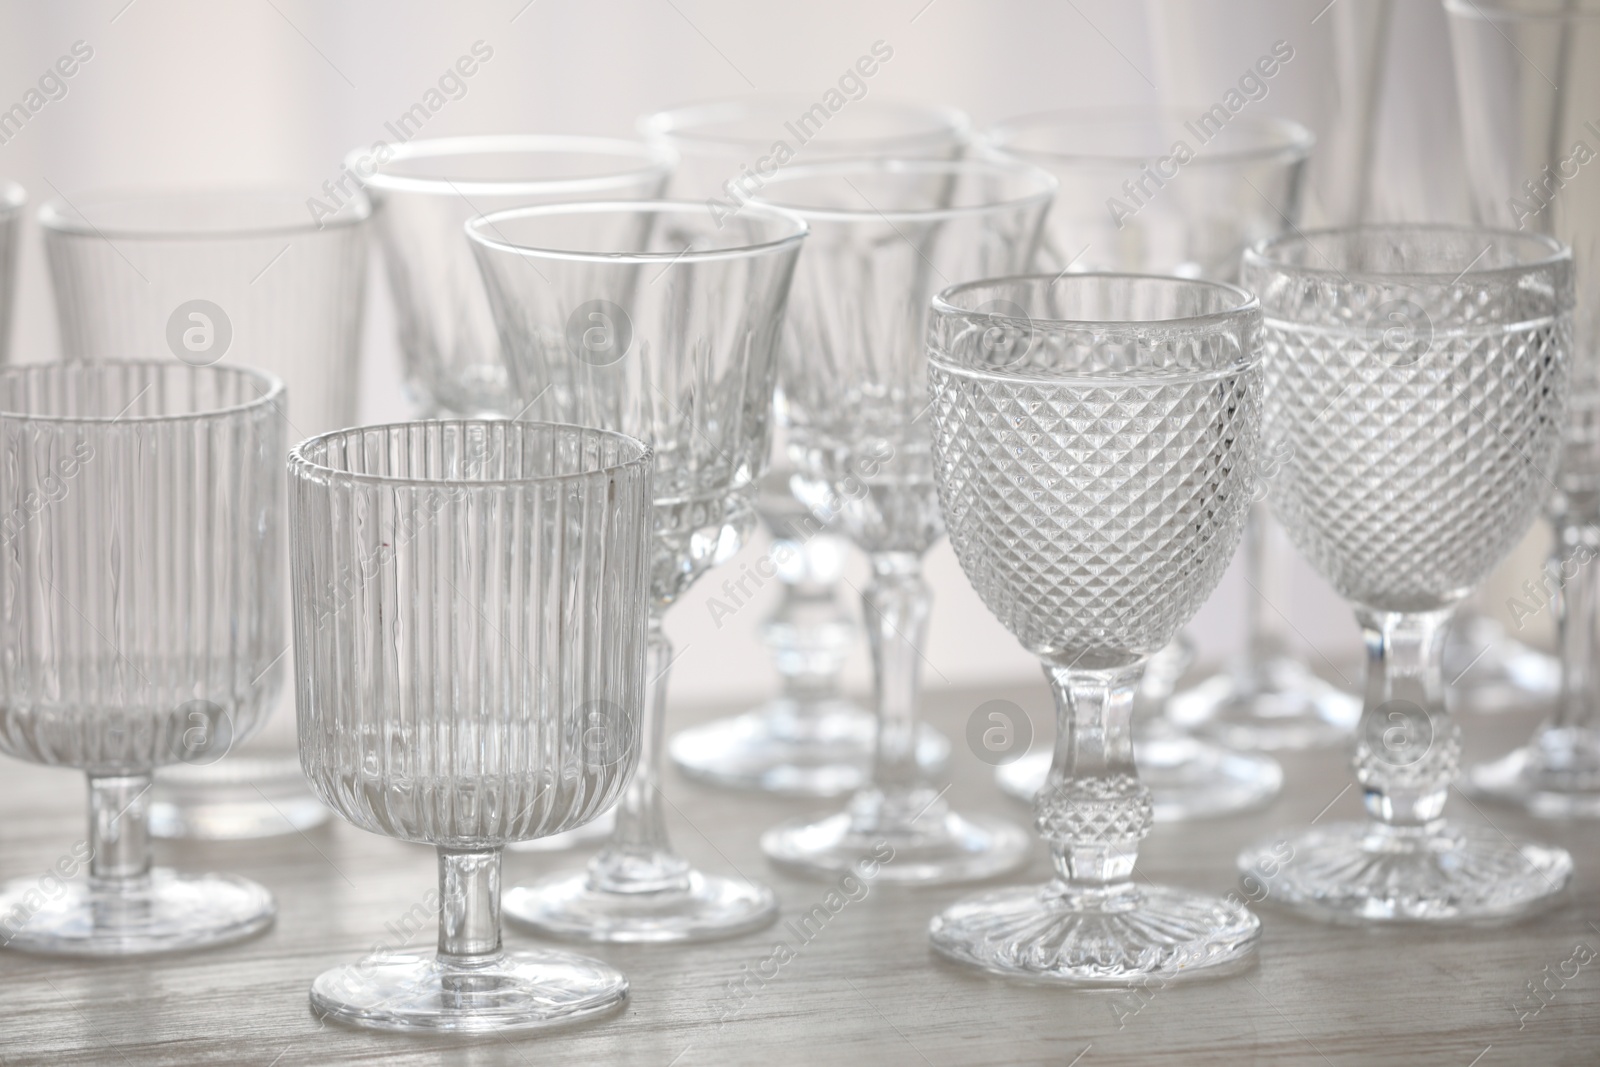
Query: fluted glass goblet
(470,624)
(1416,387)
(886,235)
(659,319)
(142,624)
(1094,446)
(1527,81)
(13,198)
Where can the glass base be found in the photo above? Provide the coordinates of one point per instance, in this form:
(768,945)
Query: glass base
(166,912)
(1370,872)
(236,798)
(1556,776)
(706,908)
(824,750)
(1188,778)
(513,991)
(1051,933)
(1284,706)
(1491,672)
(590,833)
(938,848)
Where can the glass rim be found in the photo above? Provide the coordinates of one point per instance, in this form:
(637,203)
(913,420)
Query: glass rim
(475,228)
(272,391)
(1265,254)
(674,124)
(62,216)
(300,461)
(1294,142)
(653,160)
(953,167)
(13,197)
(1498,11)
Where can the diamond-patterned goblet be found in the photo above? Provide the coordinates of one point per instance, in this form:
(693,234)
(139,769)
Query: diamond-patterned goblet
(1095,437)
(1416,382)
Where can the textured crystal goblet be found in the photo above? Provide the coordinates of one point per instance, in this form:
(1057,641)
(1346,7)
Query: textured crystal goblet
(1416,386)
(470,624)
(143,624)
(1094,444)
(886,235)
(13,198)
(659,319)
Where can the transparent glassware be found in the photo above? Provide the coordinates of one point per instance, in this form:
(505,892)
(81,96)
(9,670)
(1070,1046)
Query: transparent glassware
(1095,439)
(142,625)
(886,235)
(1522,70)
(810,743)
(237,277)
(423,194)
(661,320)
(469,607)
(1416,392)
(13,199)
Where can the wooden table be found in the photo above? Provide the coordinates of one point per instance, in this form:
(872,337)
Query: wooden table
(867,990)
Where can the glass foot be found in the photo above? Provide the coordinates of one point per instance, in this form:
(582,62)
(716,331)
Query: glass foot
(823,751)
(1053,933)
(1556,776)
(935,847)
(702,908)
(588,834)
(1370,872)
(512,991)
(1490,671)
(167,912)
(239,797)
(1285,706)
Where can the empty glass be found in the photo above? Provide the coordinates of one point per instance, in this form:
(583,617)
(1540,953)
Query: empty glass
(469,603)
(240,277)
(142,624)
(661,320)
(1094,445)
(1416,386)
(1526,76)
(885,236)
(12,200)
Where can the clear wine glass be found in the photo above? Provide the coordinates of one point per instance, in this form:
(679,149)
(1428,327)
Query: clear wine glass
(808,740)
(470,622)
(1416,386)
(886,235)
(142,626)
(659,319)
(1094,445)
(13,198)
(236,276)
(1523,69)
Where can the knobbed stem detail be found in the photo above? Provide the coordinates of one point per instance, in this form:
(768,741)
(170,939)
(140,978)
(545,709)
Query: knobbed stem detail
(119,831)
(896,606)
(469,907)
(1408,747)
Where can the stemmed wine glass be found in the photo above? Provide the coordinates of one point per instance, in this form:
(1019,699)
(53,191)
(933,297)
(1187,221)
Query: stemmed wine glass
(469,627)
(885,236)
(1524,72)
(659,319)
(1416,386)
(142,624)
(13,198)
(1094,446)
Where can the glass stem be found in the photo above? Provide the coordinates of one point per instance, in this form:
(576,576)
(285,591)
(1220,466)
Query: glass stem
(638,857)
(897,603)
(1408,747)
(1575,598)
(469,907)
(1093,811)
(119,831)
(1265,567)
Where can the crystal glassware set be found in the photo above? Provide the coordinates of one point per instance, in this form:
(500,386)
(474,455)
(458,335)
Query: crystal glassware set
(477,598)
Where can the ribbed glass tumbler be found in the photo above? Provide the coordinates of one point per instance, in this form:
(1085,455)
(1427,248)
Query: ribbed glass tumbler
(469,608)
(141,627)
(1094,445)
(1416,394)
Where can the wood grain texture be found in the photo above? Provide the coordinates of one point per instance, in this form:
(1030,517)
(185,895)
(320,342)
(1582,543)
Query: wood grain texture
(866,990)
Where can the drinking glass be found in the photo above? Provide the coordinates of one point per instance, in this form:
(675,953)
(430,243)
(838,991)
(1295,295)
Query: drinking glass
(1524,69)
(1416,386)
(1094,446)
(424,191)
(13,198)
(142,624)
(469,615)
(886,235)
(239,277)
(658,319)
(808,740)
